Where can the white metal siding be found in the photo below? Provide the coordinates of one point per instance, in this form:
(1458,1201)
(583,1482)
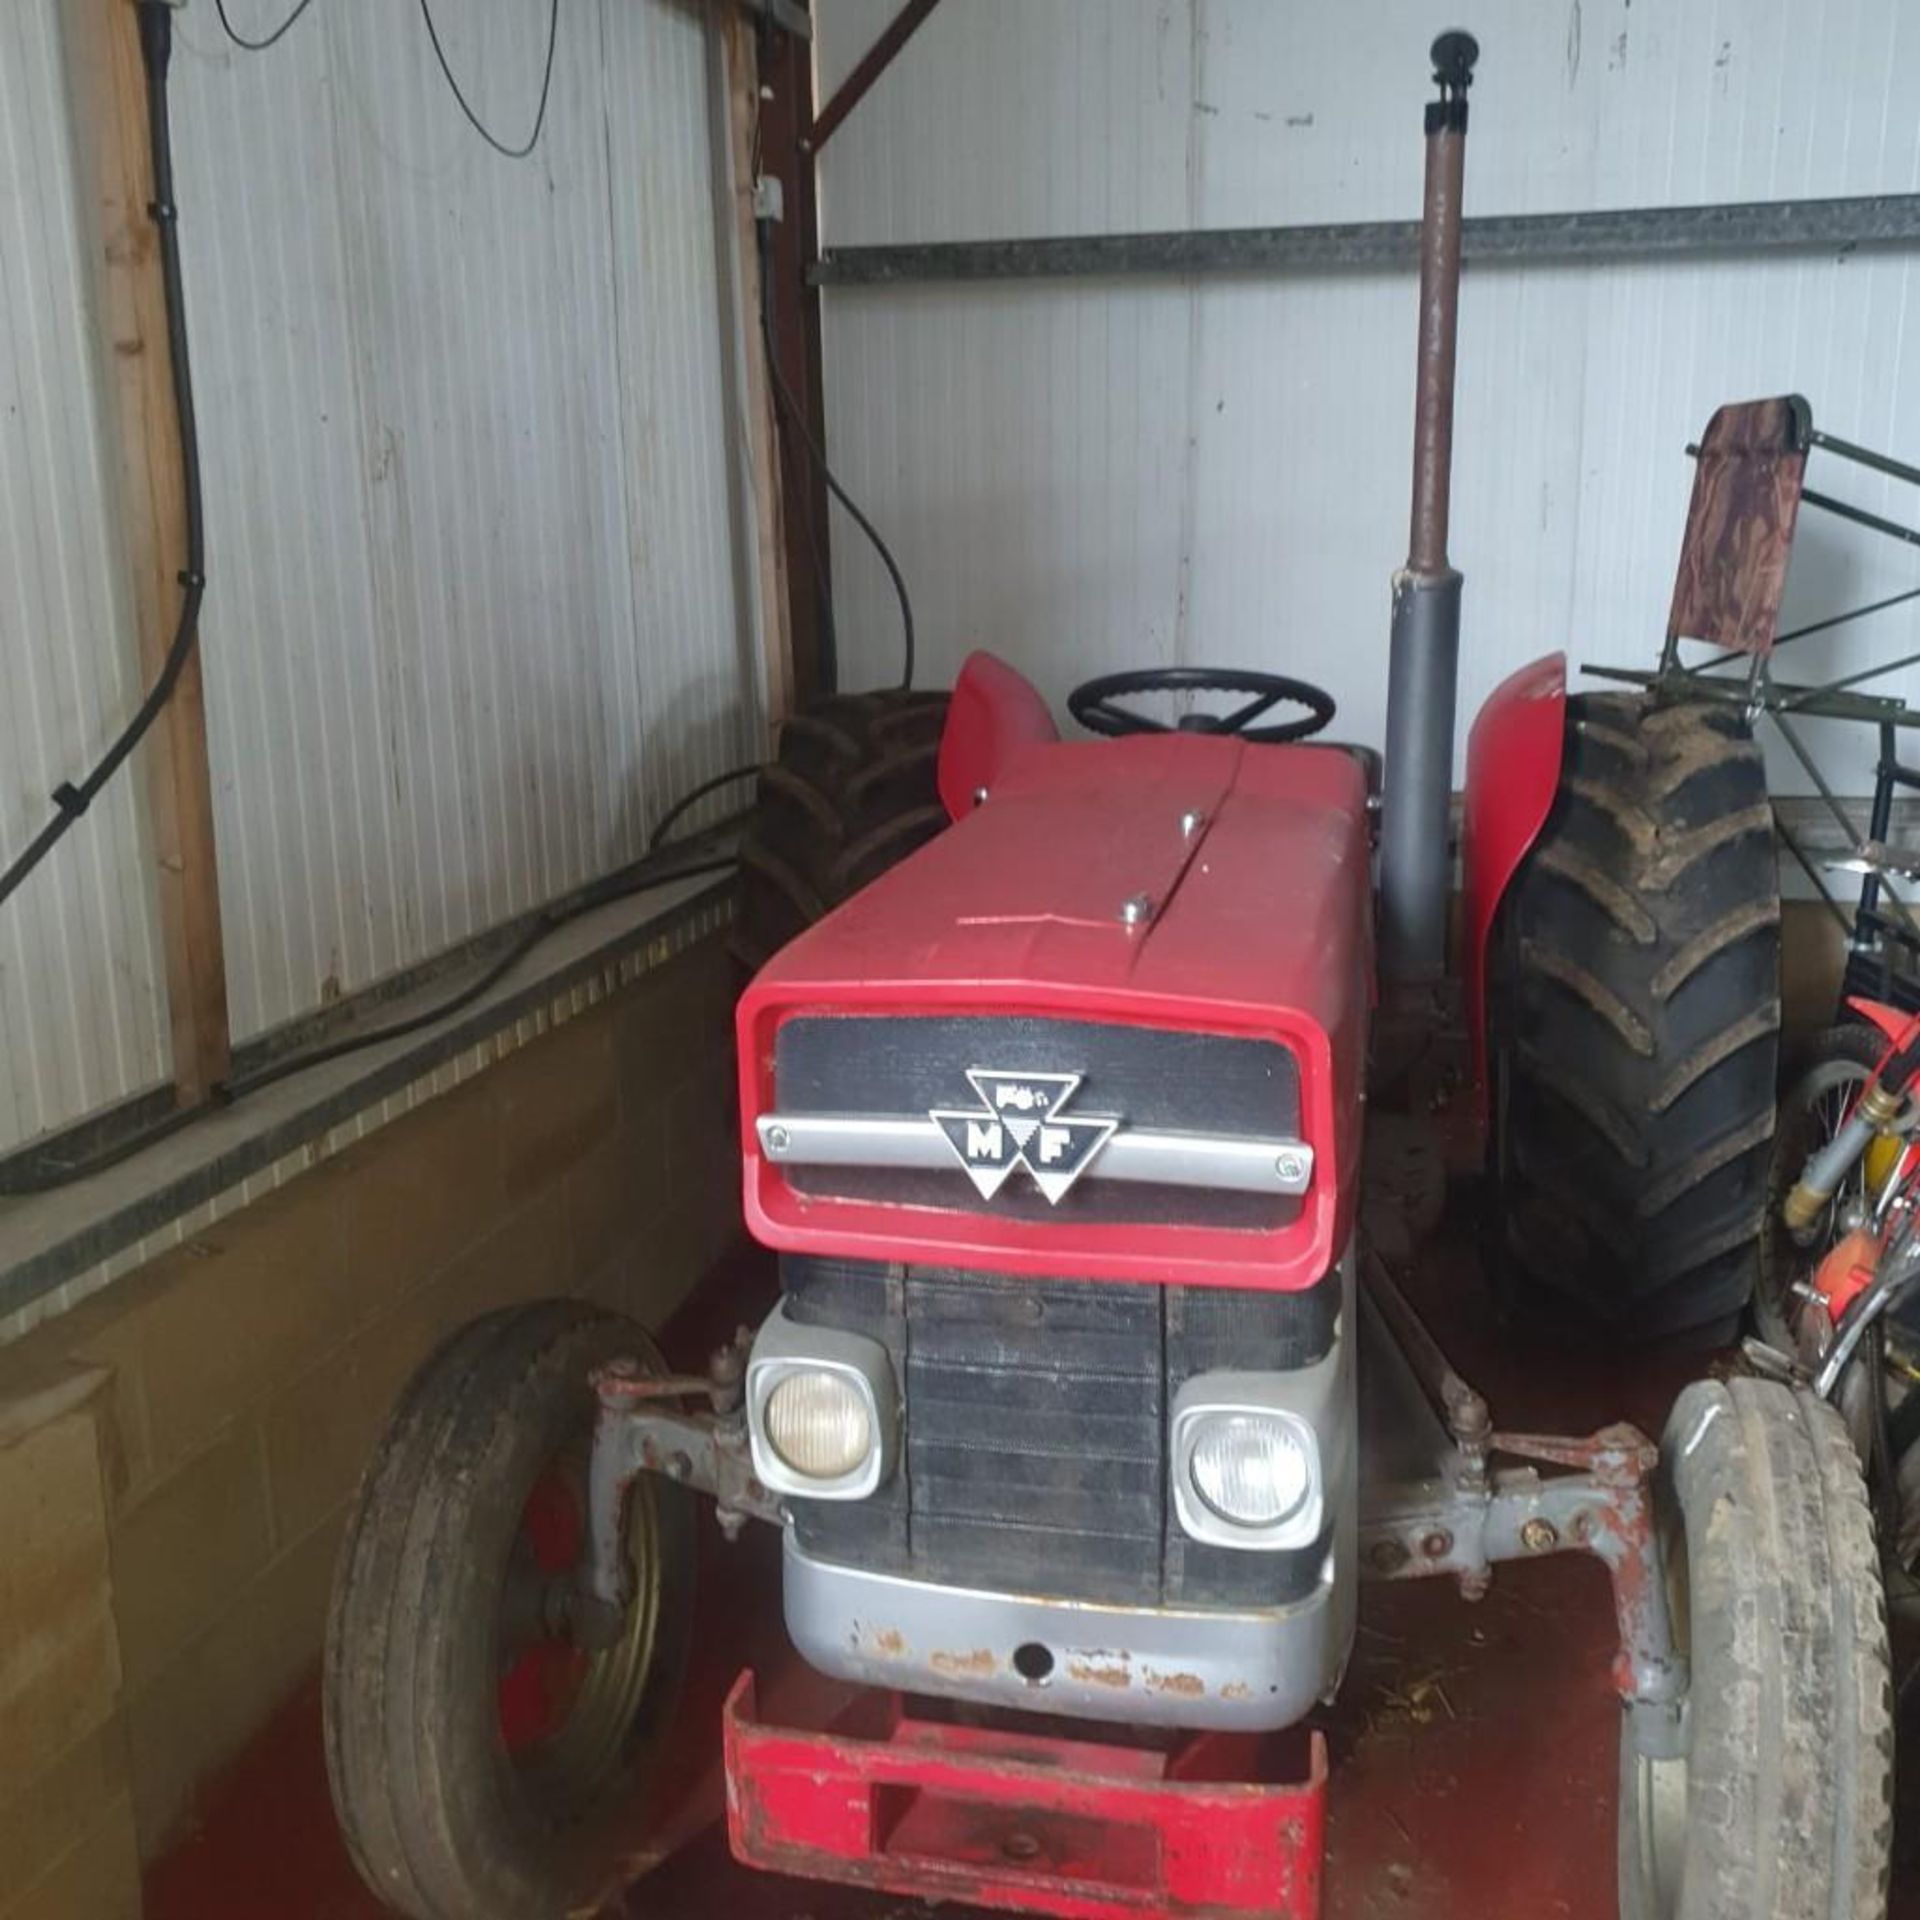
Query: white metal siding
(1086,474)
(476,609)
(474,614)
(80,1016)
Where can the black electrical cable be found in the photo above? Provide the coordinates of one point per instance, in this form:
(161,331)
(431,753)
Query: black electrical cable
(827,643)
(259,46)
(827,646)
(479,127)
(796,416)
(38,1173)
(664,825)
(42,1175)
(440,54)
(72,798)
(615,887)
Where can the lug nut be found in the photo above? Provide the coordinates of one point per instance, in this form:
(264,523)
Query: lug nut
(1290,1167)
(1388,1556)
(778,1140)
(1539,1536)
(1437,1544)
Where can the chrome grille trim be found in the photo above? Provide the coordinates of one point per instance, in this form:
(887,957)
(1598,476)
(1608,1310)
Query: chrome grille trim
(1225,1163)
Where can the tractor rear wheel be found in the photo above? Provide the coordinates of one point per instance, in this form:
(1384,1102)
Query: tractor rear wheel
(1634,1017)
(485,1763)
(851,793)
(1778,1802)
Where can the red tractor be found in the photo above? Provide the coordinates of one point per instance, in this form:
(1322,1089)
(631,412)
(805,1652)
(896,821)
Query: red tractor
(1056,1128)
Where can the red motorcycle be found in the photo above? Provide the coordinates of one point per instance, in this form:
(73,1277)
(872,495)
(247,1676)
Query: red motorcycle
(1839,1292)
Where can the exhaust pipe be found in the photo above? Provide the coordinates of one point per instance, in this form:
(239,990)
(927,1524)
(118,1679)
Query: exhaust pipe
(1415,864)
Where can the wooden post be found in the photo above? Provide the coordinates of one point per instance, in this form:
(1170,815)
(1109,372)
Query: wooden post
(786,110)
(763,433)
(106,86)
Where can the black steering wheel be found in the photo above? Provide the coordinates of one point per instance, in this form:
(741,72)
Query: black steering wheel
(1095,703)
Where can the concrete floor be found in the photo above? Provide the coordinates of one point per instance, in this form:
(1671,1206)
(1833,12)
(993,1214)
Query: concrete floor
(1473,1747)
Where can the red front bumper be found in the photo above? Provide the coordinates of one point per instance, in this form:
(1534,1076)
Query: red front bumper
(1027,1821)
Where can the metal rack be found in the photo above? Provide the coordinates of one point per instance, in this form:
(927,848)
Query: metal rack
(1748,487)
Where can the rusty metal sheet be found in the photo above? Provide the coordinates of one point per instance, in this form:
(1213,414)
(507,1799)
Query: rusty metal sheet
(1746,498)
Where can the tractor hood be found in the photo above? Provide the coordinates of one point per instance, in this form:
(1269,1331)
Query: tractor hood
(1156,946)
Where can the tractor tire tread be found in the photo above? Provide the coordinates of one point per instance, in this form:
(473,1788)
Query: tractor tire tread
(1790,1730)
(357,1634)
(1634,1010)
(851,791)
(408,1705)
(361,1637)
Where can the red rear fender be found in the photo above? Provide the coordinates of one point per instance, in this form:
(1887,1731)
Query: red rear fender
(1513,773)
(996,716)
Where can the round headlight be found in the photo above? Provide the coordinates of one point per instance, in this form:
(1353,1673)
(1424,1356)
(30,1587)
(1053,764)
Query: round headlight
(818,1424)
(1250,1469)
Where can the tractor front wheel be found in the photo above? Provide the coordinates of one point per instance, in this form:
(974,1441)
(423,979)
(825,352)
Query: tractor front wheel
(1778,1804)
(484,1764)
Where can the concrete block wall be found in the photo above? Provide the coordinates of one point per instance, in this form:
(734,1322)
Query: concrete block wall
(176,1456)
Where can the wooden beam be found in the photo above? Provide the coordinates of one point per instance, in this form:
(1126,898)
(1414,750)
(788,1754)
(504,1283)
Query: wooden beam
(763,434)
(106,85)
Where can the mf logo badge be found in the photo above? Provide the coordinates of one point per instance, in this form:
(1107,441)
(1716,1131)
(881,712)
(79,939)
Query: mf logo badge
(1020,1123)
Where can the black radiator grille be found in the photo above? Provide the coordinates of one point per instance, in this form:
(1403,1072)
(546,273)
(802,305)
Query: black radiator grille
(1036,1429)
(1034,1433)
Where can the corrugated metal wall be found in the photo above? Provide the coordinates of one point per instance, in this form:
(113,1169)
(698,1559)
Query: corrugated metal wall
(476,608)
(80,1014)
(1089,474)
(475,615)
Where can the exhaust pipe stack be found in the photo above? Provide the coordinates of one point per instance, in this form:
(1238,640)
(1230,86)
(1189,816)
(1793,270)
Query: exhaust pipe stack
(1415,864)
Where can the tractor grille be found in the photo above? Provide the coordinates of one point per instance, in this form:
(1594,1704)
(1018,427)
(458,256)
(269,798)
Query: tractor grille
(1154,1077)
(1036,1429)
(1033,1436)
